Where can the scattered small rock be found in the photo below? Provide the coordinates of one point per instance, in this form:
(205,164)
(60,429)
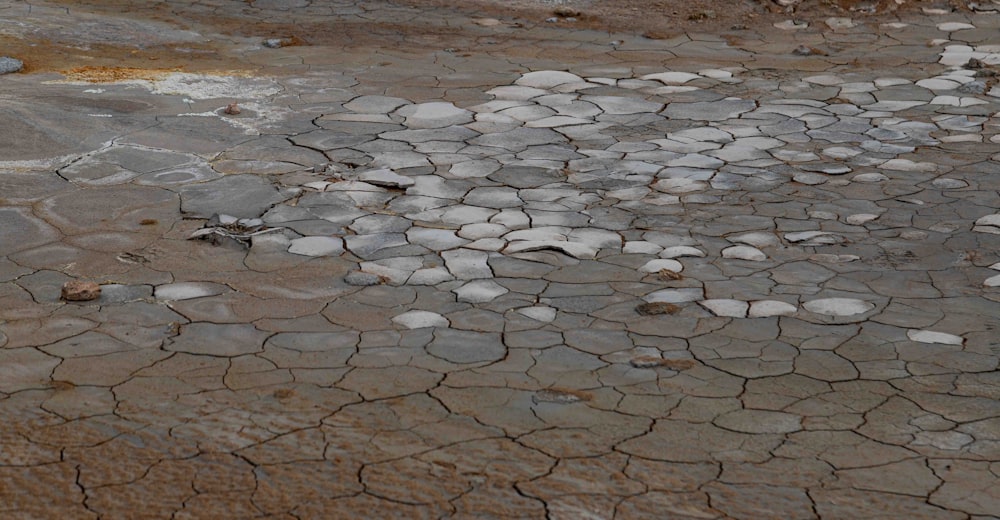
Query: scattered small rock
(560,396)
(803,50)
(974,64)
(79,291)
(172,329)
(9,65)
(792,25)
(702,15)
(274,43)
(865,8)
(656,308)
(228,226)
(658,35)
(667,274)
(232,109)
(565,11)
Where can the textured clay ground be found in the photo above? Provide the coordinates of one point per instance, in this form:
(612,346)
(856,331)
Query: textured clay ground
(684,260)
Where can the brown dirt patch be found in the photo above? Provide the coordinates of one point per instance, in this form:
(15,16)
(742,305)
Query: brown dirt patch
(661,19)
(101,74)
(652,18)
(48,56)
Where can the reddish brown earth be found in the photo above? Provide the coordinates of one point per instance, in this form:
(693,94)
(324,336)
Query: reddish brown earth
(658,19)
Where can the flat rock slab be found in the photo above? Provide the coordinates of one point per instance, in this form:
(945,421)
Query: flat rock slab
(20,230)
(120,208)
(244,196)
(316,246)
(434,115)
(386,178)
(526,176)
(421,319)
(760,421)
(24,368)
(838,306)
(461,346)
(218,340)
(930,336)
(547,79)
(187,290)
(367,246)
(709,111)
(49,132)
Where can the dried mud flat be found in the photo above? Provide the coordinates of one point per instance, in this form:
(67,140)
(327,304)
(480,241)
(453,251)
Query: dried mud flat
(519,260)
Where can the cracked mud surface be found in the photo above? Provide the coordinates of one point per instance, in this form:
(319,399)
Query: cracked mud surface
(493,267)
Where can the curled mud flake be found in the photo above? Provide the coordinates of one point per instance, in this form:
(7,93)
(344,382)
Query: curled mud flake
(132,258)
(284,393)
(560,396)
(655,308)
(173,329)
(656,362)
(667,274)
(646,362)
(486,22)
(148,222)
(61,386)
(79,291)
(679,364)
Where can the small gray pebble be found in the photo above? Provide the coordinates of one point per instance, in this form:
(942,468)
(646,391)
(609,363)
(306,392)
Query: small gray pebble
(8,65)
(972,87)
(274,43)
(360,278)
